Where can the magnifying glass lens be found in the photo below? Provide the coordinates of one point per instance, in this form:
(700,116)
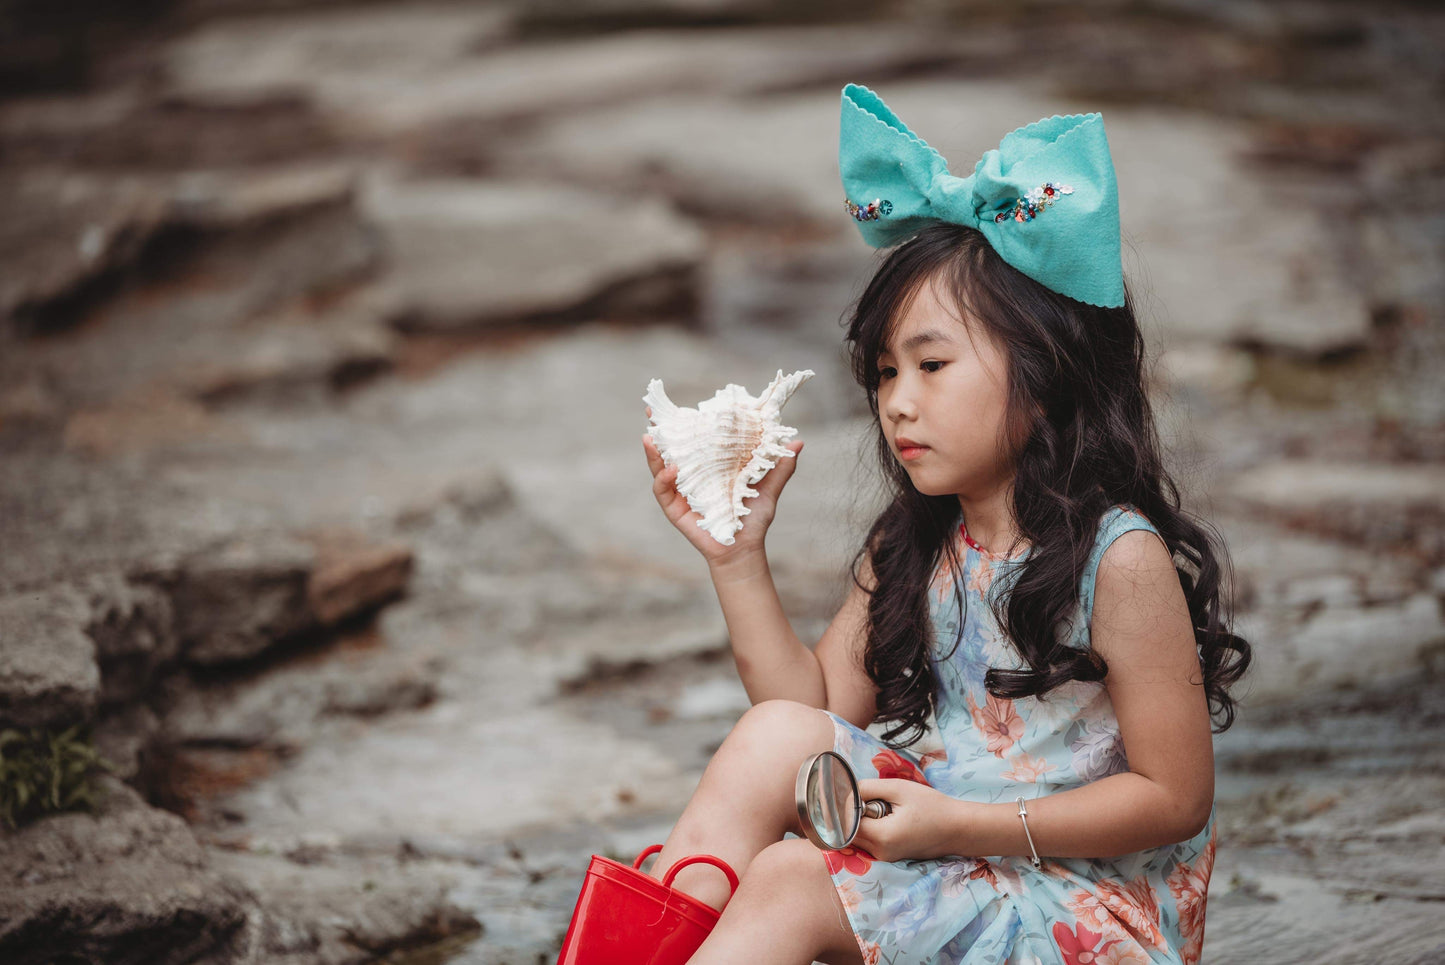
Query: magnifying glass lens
(828,801)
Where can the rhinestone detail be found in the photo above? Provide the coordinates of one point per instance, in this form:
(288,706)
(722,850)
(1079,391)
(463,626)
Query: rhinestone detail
(1032,204)
(874,210)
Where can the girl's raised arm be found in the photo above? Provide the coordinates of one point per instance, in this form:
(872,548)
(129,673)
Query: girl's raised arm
(852,694)
(772,661)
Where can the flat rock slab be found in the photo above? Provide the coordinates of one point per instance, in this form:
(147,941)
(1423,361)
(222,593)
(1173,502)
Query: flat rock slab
(66,231)
(1369,503)
(320,909)
(97,887)
(573,771)
(468,253)
(425,75)
(70,231)
(1327,650)
(133,628)
(210,311)
(48,671)
(286,706)
(238,599)
(1193,215)
(327,53)
(353,576)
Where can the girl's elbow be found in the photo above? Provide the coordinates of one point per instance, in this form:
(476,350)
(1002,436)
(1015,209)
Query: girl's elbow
(1194,817)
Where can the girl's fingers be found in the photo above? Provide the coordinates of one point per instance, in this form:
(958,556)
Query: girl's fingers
(871,788)
(772,484)
(664,485)
(654,458)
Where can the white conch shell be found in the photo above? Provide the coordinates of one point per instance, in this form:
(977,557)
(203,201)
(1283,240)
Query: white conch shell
(722,447)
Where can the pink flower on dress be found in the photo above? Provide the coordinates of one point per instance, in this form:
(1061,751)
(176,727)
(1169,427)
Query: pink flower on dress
(958,872)
(892,765)
(855,861)
(1122,953)
(1079,947)
(1190,888)
(871,951)
(1000,723)
(945,575)
(981,578)
(938,755)
(1026,769)
(849,896)
(1120,912)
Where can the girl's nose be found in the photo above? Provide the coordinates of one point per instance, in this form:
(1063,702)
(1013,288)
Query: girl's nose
(899,405)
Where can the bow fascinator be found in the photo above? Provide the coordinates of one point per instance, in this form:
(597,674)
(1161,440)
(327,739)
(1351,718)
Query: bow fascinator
(1045,198)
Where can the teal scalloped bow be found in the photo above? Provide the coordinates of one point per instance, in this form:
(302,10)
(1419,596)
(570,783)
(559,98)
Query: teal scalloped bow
(1045,198)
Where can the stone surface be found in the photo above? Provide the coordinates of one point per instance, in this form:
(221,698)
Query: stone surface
(1329,847)
(235,601)
(65,232)
(432,82)
(352,577)
(468,253)
(1322,651)
(229,249)
(283,707)
(60,267)
(124,738)
(133,630)
(48,672)
(328,54)
(293,360)
(127,884)
(332,910)
(1365,503)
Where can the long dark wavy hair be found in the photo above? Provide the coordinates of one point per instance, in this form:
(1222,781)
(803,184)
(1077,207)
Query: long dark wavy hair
(1081,434)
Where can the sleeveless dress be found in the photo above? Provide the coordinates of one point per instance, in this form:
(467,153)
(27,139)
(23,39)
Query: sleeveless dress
(1139,908)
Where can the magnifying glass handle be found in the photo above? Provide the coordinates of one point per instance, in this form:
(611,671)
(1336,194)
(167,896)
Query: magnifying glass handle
(876,808)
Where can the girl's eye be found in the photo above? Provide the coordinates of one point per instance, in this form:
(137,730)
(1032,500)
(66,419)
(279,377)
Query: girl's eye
(932,362)
(883,373)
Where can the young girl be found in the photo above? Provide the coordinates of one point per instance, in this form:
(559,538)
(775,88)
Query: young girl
(1019,592)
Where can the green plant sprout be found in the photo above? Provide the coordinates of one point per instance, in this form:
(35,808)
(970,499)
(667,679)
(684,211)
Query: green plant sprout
(44,771)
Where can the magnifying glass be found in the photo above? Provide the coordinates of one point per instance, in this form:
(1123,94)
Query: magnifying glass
(829,807)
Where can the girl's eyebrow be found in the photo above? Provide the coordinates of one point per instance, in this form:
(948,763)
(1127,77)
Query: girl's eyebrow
(921,338)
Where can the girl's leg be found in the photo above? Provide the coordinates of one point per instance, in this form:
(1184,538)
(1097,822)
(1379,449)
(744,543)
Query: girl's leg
(744,801)
(786,912)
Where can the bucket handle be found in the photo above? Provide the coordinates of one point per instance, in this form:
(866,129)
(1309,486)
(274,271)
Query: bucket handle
(716,862)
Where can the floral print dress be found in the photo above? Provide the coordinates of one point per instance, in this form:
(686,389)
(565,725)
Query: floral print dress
(1139,908)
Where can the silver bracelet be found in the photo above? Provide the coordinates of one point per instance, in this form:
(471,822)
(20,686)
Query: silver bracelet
(1024,817)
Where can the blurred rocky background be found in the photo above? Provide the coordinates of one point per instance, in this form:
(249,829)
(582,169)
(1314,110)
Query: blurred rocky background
(324,517)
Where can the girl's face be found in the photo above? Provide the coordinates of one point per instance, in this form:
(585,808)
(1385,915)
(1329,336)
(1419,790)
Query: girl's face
(943,388)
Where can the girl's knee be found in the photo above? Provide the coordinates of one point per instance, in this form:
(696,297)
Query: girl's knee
(789,864)
(776,719)
(793,875)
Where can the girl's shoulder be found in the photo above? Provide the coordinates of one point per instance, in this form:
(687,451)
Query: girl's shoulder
(1115,522)
(1120,518)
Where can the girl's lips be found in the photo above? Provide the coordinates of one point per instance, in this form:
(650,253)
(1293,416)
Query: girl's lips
(911,452)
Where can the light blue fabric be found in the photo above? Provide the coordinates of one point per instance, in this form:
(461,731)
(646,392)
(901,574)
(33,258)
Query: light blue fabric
(1142,907)
(1070,245)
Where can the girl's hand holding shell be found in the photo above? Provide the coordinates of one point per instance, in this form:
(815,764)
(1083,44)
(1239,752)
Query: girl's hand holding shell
(763,506)
(704,462)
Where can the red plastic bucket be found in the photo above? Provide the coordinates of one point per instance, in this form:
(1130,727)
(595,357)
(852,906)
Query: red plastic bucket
(626,917)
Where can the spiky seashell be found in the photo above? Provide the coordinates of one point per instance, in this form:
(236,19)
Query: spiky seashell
(723,447)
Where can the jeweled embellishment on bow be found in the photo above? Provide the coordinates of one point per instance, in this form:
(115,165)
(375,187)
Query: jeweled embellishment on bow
(876,209)
(1029,206)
